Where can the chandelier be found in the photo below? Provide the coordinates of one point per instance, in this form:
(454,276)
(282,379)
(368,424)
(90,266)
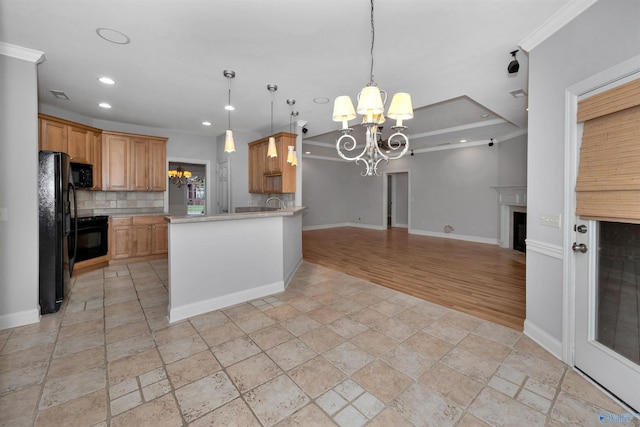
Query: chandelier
(179,176)
(371,104)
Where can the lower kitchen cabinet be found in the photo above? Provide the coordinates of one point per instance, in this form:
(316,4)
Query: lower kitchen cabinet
(121,238)
(139,237)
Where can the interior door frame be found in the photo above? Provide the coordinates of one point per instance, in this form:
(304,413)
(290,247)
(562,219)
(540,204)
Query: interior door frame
(619,74)
(209,183)
(385,193)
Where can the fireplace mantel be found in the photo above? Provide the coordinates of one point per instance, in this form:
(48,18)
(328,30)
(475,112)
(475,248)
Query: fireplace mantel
(514,195)
(511,198)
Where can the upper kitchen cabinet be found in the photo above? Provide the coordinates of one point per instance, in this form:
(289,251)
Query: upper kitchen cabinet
(133,162)
(77,140)
(148,164)
(116,148)
(272,174)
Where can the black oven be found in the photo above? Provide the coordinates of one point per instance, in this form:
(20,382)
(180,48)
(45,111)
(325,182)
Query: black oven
(92,237)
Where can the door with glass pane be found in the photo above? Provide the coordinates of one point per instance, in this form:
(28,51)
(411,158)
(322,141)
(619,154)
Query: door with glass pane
(607,241)
(607,306)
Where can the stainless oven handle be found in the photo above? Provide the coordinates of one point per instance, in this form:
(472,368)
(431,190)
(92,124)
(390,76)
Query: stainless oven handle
(75,228)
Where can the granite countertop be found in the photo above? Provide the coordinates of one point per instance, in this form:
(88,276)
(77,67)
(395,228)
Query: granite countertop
(234,216)
(126,215)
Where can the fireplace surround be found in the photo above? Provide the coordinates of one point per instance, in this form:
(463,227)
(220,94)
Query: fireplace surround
(511,199)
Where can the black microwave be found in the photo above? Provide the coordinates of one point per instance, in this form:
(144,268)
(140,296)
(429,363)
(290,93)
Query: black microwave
(82,175)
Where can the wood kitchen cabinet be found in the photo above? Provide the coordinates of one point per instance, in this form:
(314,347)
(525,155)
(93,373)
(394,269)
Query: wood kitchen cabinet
(77,140)
(121,238)
(116,150)
(139,237)
(148,164)
(133,162)
(272,174)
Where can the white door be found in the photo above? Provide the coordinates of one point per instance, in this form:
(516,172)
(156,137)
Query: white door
(607,274)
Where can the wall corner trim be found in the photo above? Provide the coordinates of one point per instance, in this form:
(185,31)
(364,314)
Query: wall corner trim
(542,338)
(23,53)
(561,18)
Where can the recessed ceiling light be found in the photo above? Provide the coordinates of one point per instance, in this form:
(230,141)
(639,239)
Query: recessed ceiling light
(463,140)
(307,152)
(321,100)
(206,123)
(104,105)
(113,36)
(106,80)
(485,115)
(229,107)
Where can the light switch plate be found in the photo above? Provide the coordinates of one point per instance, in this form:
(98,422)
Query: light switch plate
(3,214)
(551,219)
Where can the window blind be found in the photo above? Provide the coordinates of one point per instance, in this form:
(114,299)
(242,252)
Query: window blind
(608,184)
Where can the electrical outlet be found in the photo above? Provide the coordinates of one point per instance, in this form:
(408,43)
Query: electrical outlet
(551,219)
(4,216)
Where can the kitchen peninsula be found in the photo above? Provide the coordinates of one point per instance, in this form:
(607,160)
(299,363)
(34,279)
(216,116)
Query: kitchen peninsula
(220,260)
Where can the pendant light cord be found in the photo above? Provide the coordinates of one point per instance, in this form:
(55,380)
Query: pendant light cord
(271,113)
(229,111)
(373,36)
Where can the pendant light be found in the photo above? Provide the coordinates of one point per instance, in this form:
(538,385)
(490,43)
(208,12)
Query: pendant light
(292,158)
(229,144)
(271,150)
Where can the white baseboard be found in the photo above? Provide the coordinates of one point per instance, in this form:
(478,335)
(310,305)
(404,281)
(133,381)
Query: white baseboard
(545,340)
(344,224)
(190,310)
(21,318)
(466,238)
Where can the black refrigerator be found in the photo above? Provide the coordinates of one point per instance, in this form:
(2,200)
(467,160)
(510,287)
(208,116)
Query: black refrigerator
(57,212)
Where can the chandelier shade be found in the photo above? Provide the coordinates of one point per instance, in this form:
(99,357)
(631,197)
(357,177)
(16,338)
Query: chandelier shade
(370,102)
(400,108)
(343,110)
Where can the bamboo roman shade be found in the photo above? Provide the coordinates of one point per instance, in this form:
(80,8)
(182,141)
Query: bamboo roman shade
(608,184)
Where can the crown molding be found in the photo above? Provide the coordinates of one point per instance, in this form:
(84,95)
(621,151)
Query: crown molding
(561,18)
(23,53)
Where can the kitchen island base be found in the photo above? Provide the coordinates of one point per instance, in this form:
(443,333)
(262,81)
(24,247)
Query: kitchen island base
(221,260)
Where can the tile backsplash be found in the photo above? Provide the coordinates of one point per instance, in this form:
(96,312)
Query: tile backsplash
(119,202)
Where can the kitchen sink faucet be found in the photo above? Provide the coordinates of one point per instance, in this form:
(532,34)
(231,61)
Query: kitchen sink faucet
(280,202)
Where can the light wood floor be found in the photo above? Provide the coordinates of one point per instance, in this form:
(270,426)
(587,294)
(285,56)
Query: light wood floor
(480,279)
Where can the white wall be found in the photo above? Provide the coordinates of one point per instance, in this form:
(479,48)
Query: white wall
(604,35)
(446,187)
(18,190)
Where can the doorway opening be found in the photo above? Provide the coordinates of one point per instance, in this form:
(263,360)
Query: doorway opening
(397,200)
(190,196)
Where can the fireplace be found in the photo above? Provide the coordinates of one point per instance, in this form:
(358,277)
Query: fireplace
(519,231)
(512,211)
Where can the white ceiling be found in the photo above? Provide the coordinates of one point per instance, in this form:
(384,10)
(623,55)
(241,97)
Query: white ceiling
(450,55)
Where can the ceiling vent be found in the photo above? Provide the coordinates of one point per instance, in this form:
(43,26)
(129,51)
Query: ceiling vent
(59,94)
(518,93)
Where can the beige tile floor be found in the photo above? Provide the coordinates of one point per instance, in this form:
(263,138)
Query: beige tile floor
(330,350)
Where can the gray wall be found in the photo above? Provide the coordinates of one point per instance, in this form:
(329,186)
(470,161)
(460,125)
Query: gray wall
(18,192)
(604,35)
(446,187)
